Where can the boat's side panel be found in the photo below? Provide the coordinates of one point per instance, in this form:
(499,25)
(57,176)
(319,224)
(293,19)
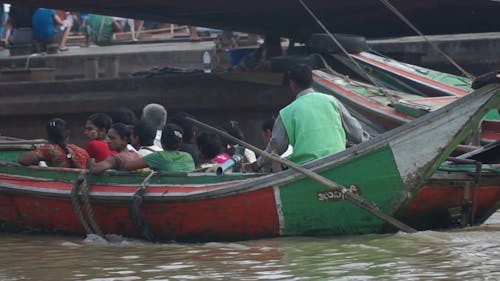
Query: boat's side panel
(432,205)
(306,213)
(373,112)
(241,216)
(417,80)
(244,216)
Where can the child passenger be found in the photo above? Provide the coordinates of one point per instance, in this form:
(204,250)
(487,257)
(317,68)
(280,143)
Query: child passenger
(210,150)
(96,129)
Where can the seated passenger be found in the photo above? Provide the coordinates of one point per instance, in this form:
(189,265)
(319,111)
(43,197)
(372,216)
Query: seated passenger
(57,153)
(210,150)
(96,129)
(143,137)
(189,137)
(233,128)
(118,139)
(169,160)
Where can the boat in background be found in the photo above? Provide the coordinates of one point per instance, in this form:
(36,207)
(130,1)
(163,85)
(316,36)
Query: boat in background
(379,108)
(406,77)
(290,19)
(205,207)
(418,80)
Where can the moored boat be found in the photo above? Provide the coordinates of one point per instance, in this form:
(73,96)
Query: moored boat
(384,109)
(421,81)
(200,207)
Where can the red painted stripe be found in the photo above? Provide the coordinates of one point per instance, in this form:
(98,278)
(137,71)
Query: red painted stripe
(491,125)
(414,77)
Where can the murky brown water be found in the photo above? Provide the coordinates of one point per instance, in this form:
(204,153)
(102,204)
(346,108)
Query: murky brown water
(472,254)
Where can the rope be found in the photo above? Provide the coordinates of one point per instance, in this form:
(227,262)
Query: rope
(88,207)
(369,77)
(76,203)
(135,209)
(433,45)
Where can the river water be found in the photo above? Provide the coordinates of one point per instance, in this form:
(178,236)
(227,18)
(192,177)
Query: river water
(467,254)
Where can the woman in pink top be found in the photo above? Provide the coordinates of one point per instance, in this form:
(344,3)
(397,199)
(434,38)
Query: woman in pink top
(210,150)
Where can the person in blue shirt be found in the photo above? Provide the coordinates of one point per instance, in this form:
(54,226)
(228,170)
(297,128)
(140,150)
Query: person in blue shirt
(49,28)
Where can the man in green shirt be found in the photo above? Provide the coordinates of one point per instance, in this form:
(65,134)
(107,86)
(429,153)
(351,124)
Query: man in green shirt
(315,124)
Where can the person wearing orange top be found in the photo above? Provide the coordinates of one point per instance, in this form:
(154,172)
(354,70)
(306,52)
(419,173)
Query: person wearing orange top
(57,153)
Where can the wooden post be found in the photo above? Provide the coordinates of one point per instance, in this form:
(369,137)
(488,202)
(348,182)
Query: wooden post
(112,67)
(91,68)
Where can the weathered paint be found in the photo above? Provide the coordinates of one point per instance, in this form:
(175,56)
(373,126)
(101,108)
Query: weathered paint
(201,207)
(241,216)
(381,183)
(419,81)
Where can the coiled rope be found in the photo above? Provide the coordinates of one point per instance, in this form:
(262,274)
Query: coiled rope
(91,227)
(135,209)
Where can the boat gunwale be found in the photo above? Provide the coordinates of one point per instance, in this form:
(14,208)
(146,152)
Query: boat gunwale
(328,162)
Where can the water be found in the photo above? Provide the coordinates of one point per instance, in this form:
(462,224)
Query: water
(472,254)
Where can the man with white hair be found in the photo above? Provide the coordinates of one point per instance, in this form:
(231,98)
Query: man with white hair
(157,115)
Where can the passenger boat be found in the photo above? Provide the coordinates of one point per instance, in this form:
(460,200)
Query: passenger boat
(389,170)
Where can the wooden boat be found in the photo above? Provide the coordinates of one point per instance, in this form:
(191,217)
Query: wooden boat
(421,81)
(201,207)
(407,77)
(381,109)
(289,18)
(465,191)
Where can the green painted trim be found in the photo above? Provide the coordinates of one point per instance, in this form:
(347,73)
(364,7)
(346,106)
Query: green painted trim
(124,177)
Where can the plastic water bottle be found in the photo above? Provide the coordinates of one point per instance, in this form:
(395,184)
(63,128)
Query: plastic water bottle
(207,60)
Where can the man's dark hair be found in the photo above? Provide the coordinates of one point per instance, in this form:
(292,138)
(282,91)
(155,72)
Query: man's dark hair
(123,115)
(145,131)
(209,145)
(232,127)
(268,125)
(301,74)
